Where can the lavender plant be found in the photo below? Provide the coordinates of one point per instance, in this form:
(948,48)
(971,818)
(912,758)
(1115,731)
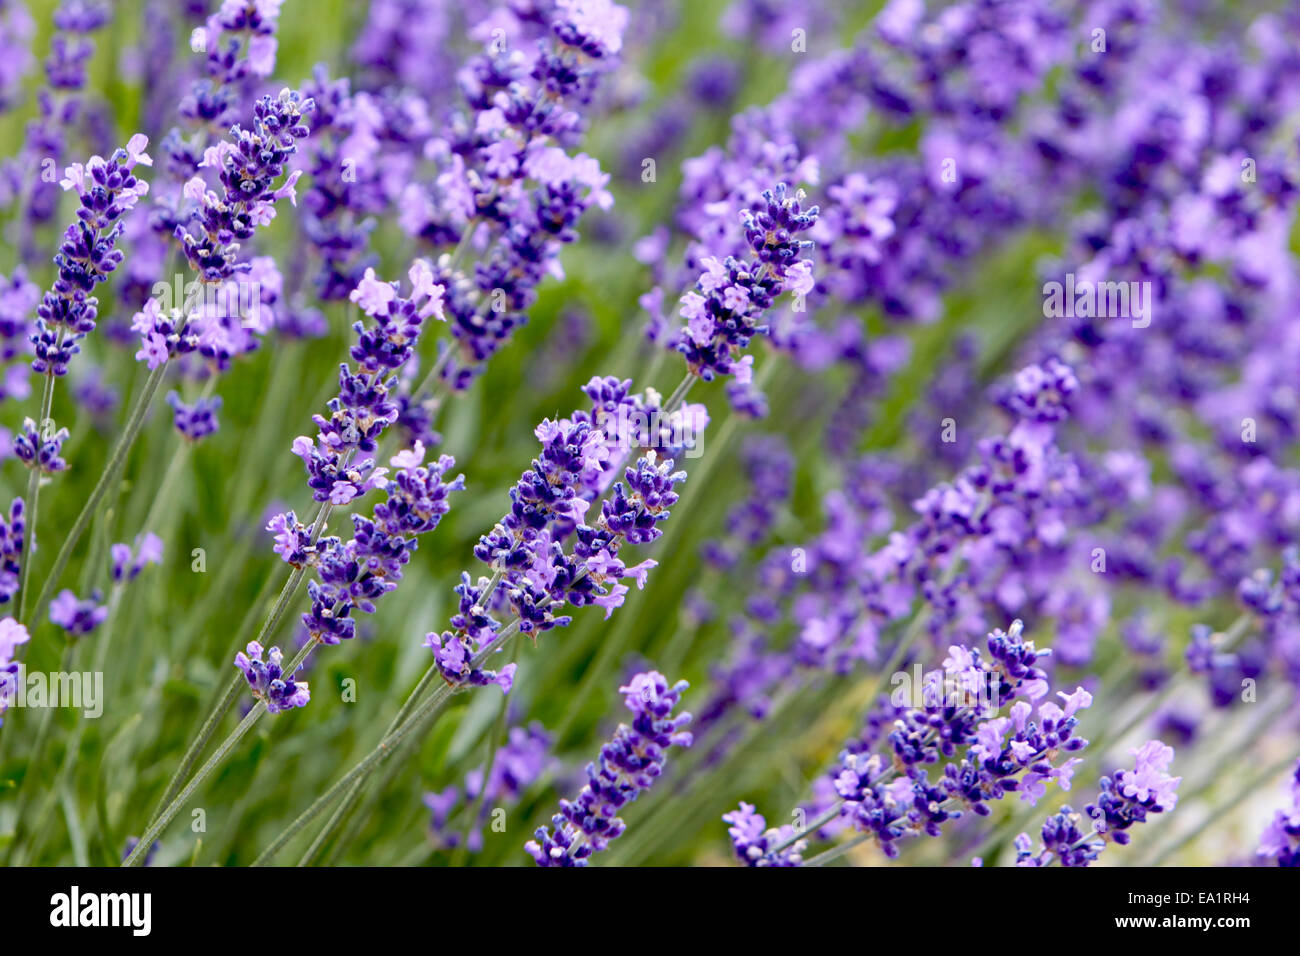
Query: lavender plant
(819,354)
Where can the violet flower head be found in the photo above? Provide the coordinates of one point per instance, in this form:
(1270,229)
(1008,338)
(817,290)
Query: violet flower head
(77,617)
(195,421)
(353,574)
(753,841)
(365,405)
(129,561)
(268,682)
(726,308)
(12,533)
(38,451)
(11,635)
(1280,841)
(87,255)
(249,163)
(1128,796)
(627,767)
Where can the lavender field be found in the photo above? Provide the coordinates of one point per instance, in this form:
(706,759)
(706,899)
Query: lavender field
(566,433)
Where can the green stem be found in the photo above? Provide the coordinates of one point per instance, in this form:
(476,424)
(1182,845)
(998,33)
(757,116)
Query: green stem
(115,463)
(834,853)
(390,740)
(356,774)
(155,829)
(345,807)
(34,761)
(233,687)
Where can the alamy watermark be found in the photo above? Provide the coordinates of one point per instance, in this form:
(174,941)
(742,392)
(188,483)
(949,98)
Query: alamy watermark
(1085,299)
(76,690)
(237,298)
(919,689)
(679,434)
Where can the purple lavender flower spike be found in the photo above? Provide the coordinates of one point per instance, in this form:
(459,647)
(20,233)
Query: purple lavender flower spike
(12,534)
(1281,838)
(267,679)
(195,421)
(87,255)
(351,575)
(628,766)
(248,165)
(77,617)
(129,561)
(753,841)
(40,452)
(11,635)
(1126,798)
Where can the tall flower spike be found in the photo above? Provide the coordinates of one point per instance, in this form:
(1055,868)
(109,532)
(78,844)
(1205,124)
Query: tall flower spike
(268,682)
(88,255)
(627,767)
(11,635)
(11,550)
(249,163)
(1126,798)
(726,308)
(537,575)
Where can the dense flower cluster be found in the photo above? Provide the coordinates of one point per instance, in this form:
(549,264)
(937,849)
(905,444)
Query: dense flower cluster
(1281,839)
(351,575)
(546,553)
(248,166)
(267,680)
(364,407)
(12,634)
(627,766)
(107,190)
(1126,798)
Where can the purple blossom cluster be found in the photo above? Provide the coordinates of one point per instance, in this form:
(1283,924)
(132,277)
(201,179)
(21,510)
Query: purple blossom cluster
(1125,798)
(503,180)
(351,575)
(267,681)
(1281,839)
(887,791)
(12,634)
(107,190)
(627,766)
(547,553)
(365,407)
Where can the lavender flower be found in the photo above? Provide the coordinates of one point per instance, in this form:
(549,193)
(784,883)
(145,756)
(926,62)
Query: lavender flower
(11,550)
(76,616)
(731,295)
(1126,798)
(534,574)
(67,313)
(267,681)
(38,451)
(11,635)
(628,766)
(1281,839)
(195,421)
(129,561)
(754,842)
(353,574)
(364,408)
(248,165)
